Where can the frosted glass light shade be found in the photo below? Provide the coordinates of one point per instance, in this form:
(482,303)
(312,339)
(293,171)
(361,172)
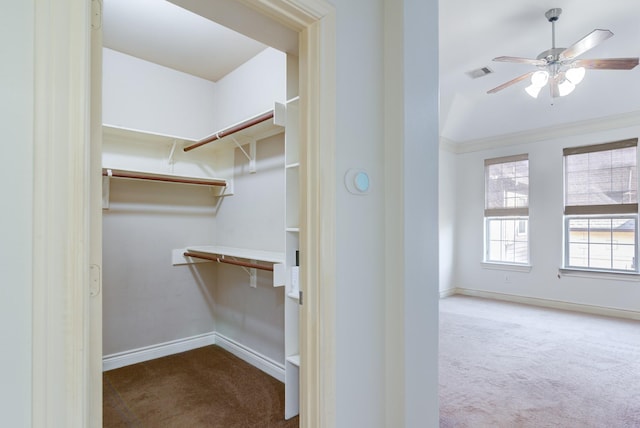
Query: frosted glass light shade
(565,87)
(575,75)
(539,78)
(533,90)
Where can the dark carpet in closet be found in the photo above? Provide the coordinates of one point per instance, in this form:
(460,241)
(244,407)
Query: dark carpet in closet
(205,387)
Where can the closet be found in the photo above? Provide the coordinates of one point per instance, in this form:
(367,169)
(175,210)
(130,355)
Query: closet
(200,213)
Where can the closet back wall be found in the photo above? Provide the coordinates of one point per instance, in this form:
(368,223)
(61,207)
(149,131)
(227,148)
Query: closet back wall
(146,300)
(144,96)
(253,218)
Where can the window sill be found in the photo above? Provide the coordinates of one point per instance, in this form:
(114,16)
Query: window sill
(506,266)
(594,274)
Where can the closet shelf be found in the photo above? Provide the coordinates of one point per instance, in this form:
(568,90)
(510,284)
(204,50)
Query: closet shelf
(255,128)
(221,259)
(140,175)
(241,253)
(251,259)
(294,359)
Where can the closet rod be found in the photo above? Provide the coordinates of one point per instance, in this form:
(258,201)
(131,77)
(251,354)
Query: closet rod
(232,130)
(106,172)
(231,262)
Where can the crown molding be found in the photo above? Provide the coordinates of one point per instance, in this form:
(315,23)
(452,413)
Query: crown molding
(448,145)
(564,130)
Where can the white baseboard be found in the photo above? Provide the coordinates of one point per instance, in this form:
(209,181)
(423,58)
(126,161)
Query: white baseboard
(121,359)
(252,357)
(448,292)
(134,356)
(548,303)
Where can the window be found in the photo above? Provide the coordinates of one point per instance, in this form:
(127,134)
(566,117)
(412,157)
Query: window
(601,207)
(506,210)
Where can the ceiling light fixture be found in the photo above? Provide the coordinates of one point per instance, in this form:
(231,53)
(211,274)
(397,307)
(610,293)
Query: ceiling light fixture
(560,68)
(575,74)
(565,87)
(566,81)
(538,80)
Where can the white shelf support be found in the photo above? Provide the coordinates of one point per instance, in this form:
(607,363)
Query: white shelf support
(251,156)
(253,276)
(252,159)
(170,160)
(252,272)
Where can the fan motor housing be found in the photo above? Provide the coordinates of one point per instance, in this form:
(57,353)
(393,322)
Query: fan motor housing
(551,55)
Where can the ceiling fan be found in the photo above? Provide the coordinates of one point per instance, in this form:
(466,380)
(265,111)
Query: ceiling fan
(559,67)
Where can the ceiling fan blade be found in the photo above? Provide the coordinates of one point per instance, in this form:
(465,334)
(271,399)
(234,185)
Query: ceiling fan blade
(510,82)
(589,41)
(520,60)
(607,64)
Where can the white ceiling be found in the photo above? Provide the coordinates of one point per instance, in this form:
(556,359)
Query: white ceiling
(163,33)
(472,32)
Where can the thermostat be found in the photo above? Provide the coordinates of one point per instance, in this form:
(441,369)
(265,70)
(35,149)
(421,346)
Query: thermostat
(357,181)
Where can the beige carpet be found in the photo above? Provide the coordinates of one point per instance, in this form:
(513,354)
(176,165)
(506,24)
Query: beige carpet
(511,365)
(206,387)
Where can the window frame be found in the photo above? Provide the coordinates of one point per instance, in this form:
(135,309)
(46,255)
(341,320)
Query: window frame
(617,211)
(518,213)
(487,239)
(567,256)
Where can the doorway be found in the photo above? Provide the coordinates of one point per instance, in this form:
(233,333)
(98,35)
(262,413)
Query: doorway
(315,379)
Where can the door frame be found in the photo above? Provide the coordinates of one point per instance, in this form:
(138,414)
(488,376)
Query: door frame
(314,20)
(67,360)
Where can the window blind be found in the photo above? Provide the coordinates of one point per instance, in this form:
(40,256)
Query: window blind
(601,179)
(507,186)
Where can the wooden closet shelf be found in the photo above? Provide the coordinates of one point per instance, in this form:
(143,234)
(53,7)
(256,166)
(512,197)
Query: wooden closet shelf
(138,175)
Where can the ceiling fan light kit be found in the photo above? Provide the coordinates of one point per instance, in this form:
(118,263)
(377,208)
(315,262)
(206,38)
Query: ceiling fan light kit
(559,67)
(538,80)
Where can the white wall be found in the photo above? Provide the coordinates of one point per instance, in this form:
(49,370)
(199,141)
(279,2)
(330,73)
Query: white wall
(448,188)
(144,96)
(420,211)
(253,218)
(146,300)
(545,229)
(360,287)
(16,183)
(360,238)
(251,88)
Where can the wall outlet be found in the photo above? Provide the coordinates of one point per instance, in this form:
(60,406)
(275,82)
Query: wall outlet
(507,278)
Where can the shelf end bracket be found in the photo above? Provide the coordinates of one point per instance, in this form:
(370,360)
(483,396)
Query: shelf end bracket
(106,189)
(251,156)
